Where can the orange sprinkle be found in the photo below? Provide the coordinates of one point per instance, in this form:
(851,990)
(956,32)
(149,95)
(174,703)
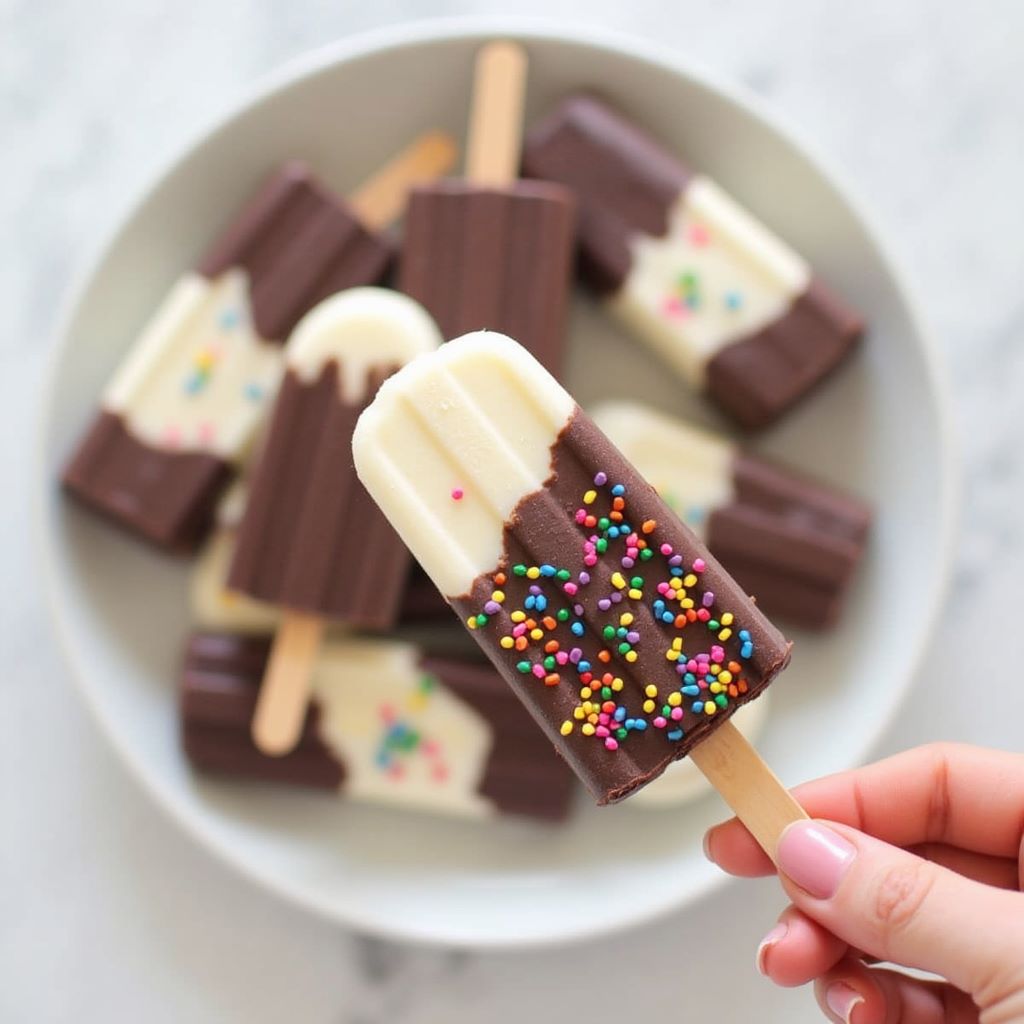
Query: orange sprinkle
(551,646)
(531,623)
(604,656)
(549,622)
(618,504)
(499,579)
(615,517)
(691,615)
(521,643)
(552,680)
(735,667)
(590,521)
(648,526)
(680,621)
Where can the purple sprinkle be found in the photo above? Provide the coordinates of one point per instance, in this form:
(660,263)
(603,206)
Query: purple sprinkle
(584,578)
(708,599)
(676,560)
(601,479)
(616,597)
(534,589)
(575,654)
(604,604)
(633,637)
(578,610)
(492,607)
(628,563)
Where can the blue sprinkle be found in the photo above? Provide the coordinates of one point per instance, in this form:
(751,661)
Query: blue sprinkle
(744,634)
(613,532)
(676,570)
(689,678)
(640,725)
(620,713)
(675,734)
(547,570)
(698,707)
(733,300)
(583,666)
(659,606)
(540,602)
(690,691)
(530,601)
(668,617)
(618,490)
(746,651)
(254,392)
(577,629)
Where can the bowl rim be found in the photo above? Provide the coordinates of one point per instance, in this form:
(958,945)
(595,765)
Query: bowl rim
(395,37)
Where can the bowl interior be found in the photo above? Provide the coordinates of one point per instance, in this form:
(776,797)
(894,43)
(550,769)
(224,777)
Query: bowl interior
(877,429)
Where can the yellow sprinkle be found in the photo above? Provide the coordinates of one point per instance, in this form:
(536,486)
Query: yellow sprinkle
(671,655)
(593,718)
(631,656)
(578,714)
(649,706)
(618,580)
(689,580)
(533,573)
(626,619)
(635,594)
(716,687)
(518,616)
(687,602)
(677,644)
(498,595)
(725,634)
(588,708)
(726,619)
(471,622)
(650,690)
(675,699)
(710,707)
(715,669)
(586,693)
(536,634)
(566,728)
(725,677)
(588,729)
(617,683)
(507,642)
(590,497)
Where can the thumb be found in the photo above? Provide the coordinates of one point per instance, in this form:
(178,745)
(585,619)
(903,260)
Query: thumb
(900,908)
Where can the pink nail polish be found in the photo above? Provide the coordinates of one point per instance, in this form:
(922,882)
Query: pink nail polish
(777,934)
(842,1000)
(815,857)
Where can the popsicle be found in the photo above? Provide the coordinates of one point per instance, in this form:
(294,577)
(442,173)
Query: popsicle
(732,308)
(311,540)
(622,635)
(384,726)
(490,251)
(182,408)
(793,543)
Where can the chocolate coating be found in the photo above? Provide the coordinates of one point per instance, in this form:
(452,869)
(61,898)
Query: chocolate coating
(220,682)
(299,243)
(757,379)
(312,539)
(167,497)
(494,259)
(543,530)
(625,183)
(793,543)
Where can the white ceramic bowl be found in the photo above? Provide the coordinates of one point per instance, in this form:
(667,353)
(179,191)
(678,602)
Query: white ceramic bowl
(879,428)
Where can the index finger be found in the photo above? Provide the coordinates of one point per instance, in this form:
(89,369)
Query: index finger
(941,793)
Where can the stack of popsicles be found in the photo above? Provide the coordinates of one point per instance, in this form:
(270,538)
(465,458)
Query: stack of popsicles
(627,639)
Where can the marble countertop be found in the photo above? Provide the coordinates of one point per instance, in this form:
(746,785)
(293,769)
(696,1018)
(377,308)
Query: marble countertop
(108,912)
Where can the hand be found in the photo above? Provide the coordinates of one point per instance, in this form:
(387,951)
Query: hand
(920,863)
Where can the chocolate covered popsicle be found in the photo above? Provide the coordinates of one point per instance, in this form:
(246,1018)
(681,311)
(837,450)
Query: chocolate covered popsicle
(713,291)
(622,635)
(793,543)
(182,408)
(490,251)
(384,726)
(311,539)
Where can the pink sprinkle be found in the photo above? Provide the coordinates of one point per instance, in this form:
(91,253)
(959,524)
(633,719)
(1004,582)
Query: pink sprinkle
(699,565)
(430,748)
(699,235)
(663,588)
(666,549)
(717,653)
(458,493)
(570,589)
(538,671)
(612,743)
(691,665)
(604,718)
(580,515)
(703,614)
(660,723)
(519,630)
(602,731)
(590,560)
(562,658)
(677,713)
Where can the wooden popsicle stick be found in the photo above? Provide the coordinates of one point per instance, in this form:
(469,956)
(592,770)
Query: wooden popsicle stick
(496,115)
(381,198)
(747,785)
(284,692)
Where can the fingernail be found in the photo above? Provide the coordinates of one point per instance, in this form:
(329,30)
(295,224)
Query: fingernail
(815,857)
(707,845)
(777,934)
(842,1000)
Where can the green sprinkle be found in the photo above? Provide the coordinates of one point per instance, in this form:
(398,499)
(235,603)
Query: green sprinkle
(601,545)
(549,662)
(482,620)
(609,632)
(519,570)
(603,523)
(625,648)
(637,582)
(563,575)
(646,555)
(722,701)
(606,693)
(523,666)
(562,615)
(714,624)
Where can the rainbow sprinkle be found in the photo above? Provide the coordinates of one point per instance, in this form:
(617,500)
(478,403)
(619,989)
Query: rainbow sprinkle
(650,597)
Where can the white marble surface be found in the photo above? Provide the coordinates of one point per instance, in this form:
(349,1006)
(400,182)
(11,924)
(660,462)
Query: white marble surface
(106,911)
